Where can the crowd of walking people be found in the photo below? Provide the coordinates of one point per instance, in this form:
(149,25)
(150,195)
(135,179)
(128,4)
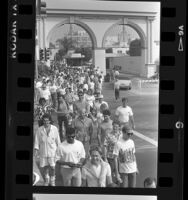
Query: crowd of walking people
(92,149)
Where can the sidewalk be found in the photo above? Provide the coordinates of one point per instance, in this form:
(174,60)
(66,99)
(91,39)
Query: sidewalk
(145,91)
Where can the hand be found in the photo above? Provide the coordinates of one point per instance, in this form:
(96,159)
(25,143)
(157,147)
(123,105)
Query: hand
(134,127)
(119,180)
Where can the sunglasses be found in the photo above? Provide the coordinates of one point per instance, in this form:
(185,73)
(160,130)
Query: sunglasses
(46,120)
(71,136)
(127,133)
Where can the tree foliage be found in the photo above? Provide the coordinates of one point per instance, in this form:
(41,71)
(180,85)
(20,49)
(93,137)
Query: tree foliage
(65,44)
(135,48)
(109,50)
(43,69)
(86,51)
(51,45)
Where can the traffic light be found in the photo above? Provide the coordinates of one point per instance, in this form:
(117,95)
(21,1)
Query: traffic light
(42,7)
(47,54)
(41,52)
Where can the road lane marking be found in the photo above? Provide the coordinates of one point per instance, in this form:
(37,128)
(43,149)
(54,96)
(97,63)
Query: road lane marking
(142,148)
(140,135)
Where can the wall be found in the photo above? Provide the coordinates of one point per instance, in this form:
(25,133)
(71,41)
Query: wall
(133,65)
(99,59)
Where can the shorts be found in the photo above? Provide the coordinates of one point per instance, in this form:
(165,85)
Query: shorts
(47,162)
(69,173)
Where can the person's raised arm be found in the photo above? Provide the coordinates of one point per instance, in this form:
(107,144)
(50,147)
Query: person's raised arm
(90,132)
(99,135)
(105,150)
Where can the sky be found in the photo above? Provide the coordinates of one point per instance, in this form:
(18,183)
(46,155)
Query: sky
(91,197)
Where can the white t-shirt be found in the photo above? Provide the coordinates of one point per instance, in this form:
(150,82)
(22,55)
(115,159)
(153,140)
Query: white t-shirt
(97,105)
(116,85)
(94,173)
(47,144)
(61,90)
(38,84)
(97,170)
(116,73)
(125,150)
(123,113)
(44,93)
(82,79)
(53,88)
(90,99)
(92,85)
(86,86)
(70,152)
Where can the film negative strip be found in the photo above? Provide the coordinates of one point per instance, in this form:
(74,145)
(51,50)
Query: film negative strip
(22,69)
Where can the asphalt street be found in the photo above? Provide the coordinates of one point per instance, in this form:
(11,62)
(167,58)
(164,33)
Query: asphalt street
(144,102)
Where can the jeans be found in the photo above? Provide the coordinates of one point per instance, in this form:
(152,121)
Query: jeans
(116,94)
(129,180)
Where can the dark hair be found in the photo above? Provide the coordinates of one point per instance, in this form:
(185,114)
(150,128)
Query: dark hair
(70,131)
(95,148)
(106,112)
(124,99)
(128,130)
(42,99)
(149,181)
(60,95)
(116,122)
(46,115)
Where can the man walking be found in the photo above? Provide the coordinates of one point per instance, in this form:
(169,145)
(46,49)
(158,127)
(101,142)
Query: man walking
(125,159)
(116,89)
(71,156)
(124,114)
(84,129)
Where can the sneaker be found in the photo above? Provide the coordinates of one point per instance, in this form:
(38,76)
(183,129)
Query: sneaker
(47,181)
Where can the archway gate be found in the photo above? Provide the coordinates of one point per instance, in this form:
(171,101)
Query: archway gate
(97,23)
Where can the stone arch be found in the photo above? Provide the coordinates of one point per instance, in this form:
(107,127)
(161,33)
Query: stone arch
(133,25)
(77,22)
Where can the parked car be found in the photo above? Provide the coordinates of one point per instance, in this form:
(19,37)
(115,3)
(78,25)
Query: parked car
(125,83)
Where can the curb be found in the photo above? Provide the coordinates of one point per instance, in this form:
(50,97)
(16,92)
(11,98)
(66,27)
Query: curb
(150,81)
